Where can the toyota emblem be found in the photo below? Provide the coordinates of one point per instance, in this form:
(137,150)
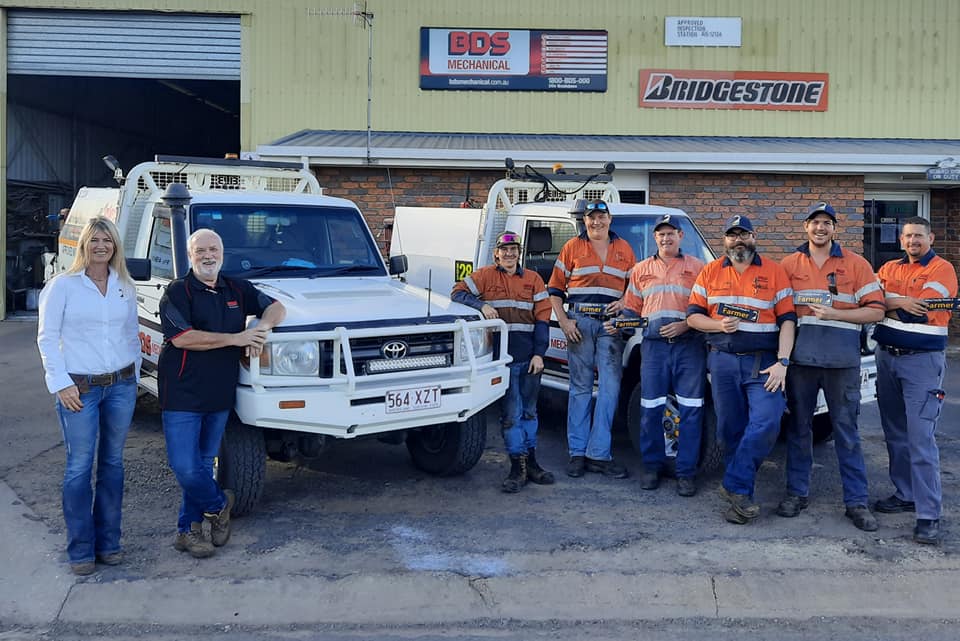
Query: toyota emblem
(394,350)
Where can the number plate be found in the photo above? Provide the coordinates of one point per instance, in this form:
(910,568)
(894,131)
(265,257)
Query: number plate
(411,399)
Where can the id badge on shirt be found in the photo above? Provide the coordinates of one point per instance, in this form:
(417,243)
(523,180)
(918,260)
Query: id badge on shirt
(737,311)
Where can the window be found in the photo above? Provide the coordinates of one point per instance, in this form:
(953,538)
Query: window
(160,250)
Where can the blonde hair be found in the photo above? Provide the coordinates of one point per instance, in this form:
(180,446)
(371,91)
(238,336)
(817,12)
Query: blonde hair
(81,259)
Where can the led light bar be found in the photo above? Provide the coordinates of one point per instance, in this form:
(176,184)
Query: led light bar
(415,362)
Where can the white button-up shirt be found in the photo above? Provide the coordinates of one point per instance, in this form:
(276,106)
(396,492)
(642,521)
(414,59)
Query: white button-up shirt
(81,331)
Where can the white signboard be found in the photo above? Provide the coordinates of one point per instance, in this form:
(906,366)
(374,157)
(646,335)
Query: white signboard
(688,31)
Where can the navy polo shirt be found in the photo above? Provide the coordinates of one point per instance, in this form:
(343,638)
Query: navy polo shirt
(204,380)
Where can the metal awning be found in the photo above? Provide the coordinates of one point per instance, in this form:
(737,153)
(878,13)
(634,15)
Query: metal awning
(665,153)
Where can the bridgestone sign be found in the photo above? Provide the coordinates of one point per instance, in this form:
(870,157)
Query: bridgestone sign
(771,91)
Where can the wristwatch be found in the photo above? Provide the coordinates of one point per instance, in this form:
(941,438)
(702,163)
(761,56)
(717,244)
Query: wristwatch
(784,361)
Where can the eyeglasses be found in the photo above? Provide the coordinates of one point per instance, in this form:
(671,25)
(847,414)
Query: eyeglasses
(509,238)
(742,235)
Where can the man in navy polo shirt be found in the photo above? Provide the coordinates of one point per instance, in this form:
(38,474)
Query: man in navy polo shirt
(204,317)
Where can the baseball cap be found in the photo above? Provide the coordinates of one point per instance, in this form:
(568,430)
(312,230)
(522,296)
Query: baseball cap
(508,238)
(666,219)
(738,222)
(821,208)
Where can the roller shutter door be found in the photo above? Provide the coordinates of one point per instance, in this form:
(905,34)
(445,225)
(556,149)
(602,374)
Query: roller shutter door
(123,44)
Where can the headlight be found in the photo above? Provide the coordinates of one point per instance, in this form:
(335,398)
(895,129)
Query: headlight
(480,340)
(292,358)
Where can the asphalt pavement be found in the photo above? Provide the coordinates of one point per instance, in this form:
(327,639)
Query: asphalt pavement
(359,544)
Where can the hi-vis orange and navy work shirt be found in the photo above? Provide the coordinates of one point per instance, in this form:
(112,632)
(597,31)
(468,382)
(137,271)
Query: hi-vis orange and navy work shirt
(579,276)
(846,281)
(659,290)
(762,287)
(521,301)
(929,277)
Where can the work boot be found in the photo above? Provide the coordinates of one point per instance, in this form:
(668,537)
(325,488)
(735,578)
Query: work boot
(518,474)
(792,505)
(576,466)
(927,531)
(535,473)
(220,521)
(607,468)
(195,542)
(114,558)
(861,517)
(741,504)
(894,505)
(83,568)
(649,480)
(686,486)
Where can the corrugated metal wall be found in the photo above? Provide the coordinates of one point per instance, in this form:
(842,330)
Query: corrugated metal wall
(123,44)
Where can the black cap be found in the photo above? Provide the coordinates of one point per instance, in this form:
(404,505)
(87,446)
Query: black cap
(738,222)
(666,219)
(821,208)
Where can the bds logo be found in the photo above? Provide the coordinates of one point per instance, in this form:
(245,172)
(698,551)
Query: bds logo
(478,43)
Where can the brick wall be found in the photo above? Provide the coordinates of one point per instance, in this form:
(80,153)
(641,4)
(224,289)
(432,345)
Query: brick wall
(945,225)
(378,190)
(775,203)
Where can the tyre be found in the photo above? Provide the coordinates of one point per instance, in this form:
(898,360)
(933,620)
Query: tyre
(711,450)
(449,448)
(242,464)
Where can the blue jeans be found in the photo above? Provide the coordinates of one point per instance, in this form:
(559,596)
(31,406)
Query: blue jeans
(841,388)
(748,416)
(193,441)
(98,430)
(908,393)
(599,350)
(679,368)
(518,410)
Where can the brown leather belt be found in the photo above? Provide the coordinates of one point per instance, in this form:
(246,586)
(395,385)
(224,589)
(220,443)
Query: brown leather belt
(86,381)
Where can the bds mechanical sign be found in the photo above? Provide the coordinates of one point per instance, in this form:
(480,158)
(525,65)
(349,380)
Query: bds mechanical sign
(766,90)
(513,59)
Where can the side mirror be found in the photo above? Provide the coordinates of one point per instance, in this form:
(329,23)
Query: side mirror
(398,265)
(139,268)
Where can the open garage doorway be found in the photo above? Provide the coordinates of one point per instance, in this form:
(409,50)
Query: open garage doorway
(84,84)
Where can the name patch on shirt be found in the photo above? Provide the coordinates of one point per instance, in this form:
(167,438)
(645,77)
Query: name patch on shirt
(813,298)
(736,311)
(232,304)
(942,304)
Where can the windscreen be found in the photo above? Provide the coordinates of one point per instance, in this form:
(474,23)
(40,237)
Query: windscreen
(280,240)
(638,231)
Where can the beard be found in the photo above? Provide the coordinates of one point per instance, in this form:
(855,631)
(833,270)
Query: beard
(741,254)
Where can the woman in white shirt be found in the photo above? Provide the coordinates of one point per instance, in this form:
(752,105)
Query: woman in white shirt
(91,357)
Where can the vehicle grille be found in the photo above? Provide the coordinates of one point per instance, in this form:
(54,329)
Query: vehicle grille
(423,351)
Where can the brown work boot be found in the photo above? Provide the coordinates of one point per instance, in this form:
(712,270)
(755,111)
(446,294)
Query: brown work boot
(741,505)
(220,521)
(535,473)
(518,474)
(195,542)
(83,568)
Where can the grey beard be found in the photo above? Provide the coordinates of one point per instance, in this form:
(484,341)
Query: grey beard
(741,254)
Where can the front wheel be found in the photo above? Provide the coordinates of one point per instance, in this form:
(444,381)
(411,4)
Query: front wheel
(242,464)
(449,448)
(711,449)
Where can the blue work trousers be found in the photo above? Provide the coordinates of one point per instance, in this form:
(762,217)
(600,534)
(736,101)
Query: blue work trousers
(678,368)
(98,431)
(602,352)
(748,416)
(841,389)
(910,395)
(193,442)
(518,410)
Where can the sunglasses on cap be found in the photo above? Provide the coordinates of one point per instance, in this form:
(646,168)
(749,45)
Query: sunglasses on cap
(600,206)
(507,239)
